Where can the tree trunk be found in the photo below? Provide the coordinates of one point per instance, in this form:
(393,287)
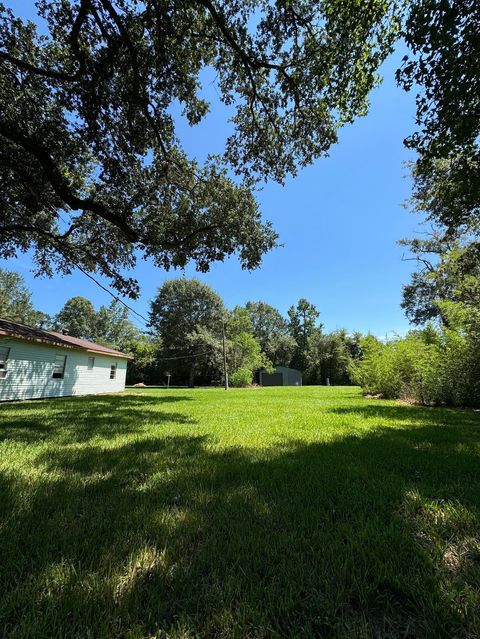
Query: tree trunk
(191,377)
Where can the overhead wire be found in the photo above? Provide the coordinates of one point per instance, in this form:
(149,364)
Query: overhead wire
(128,307)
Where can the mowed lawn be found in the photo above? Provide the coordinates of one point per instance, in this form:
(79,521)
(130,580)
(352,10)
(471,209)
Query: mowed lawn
(276,512)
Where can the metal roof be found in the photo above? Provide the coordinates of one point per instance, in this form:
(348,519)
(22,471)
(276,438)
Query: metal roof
(53,338)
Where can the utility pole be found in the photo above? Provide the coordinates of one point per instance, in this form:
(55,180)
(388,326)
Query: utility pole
(225,372)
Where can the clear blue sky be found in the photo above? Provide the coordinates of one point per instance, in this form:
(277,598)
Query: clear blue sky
(339,221)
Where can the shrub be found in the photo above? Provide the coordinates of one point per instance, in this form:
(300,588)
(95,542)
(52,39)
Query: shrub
(431,366)
(241,377)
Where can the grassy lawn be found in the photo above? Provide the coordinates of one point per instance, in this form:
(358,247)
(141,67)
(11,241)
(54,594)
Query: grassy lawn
(280,512)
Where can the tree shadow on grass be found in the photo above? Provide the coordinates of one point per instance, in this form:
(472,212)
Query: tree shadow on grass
(78,419)
(395,411)
(345,538)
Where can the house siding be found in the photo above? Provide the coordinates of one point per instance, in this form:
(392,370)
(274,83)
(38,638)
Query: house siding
(30,367)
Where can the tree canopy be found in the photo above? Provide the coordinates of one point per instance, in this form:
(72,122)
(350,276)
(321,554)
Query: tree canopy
(187,315)
(16,301)
(303,324)
(109,325)
(91,167)
(78,317)
(447,272)
(272,332)
(443,69)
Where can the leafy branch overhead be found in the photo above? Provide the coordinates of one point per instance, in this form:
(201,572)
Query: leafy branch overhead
(92,170)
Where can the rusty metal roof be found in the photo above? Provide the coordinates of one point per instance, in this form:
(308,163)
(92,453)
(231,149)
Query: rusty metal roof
(53,338)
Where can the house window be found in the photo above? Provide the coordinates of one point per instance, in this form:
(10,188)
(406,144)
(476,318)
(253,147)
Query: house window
(91,363)
(4,352)
(59,367)
(113,371)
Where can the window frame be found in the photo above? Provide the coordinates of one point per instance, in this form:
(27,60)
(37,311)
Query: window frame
(4,361)
(113,370)
(91,359)
(55,372)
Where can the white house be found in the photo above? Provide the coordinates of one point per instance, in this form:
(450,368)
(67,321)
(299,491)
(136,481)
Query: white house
(35,363)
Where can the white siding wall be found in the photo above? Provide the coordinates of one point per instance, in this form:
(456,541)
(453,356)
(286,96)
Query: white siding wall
(30,367)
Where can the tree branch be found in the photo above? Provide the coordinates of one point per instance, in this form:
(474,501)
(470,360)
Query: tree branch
(60,184)
(47,73)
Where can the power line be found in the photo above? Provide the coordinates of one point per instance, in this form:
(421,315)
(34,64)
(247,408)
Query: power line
(132,310)
(115,297)
(107,290)
(164,359)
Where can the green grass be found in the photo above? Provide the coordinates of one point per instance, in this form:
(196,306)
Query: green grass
(302,512)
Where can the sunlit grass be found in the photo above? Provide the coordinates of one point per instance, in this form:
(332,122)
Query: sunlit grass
(280,512)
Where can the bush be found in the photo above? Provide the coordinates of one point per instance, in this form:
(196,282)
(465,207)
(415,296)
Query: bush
(241,377)
(431,366)
(388,369)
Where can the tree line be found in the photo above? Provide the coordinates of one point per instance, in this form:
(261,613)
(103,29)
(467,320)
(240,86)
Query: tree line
(184,337)
(437,363)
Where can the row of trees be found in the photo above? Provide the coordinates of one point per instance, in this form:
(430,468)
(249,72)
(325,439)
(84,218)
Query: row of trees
(187,324)
(190,320)
(436,364)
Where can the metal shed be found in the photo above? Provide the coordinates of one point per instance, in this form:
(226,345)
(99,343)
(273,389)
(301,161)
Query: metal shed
(283,376)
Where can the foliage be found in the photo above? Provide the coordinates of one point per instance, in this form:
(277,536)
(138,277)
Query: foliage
(275,512)
(241,377)
(303,324)
(207,349)
(443,68)
(431,366)
(145,351)
(245,355)
(387,369)
(78,317)
(113,327)
(187,315)
(329,357)
(16,301)
(92,168)
(447,272)
(109,325)
(271,330)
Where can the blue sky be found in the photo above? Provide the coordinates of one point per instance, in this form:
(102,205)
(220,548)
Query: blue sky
(339,221)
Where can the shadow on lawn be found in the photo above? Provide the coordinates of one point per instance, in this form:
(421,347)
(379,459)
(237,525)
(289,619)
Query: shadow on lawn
(412,414)
(337,539)
(78,419)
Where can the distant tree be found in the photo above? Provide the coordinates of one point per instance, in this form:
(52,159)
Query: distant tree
(187,315)
(145,351)
(245,355)
(113,326)
(303,324)
(329,357)
(272,332)
(16,301)
(109,325)
(78,317)
(353,344)
(207,346)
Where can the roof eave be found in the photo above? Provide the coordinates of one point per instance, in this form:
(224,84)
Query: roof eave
(73,347)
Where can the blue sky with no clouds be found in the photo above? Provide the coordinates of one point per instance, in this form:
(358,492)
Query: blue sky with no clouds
(338,220)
